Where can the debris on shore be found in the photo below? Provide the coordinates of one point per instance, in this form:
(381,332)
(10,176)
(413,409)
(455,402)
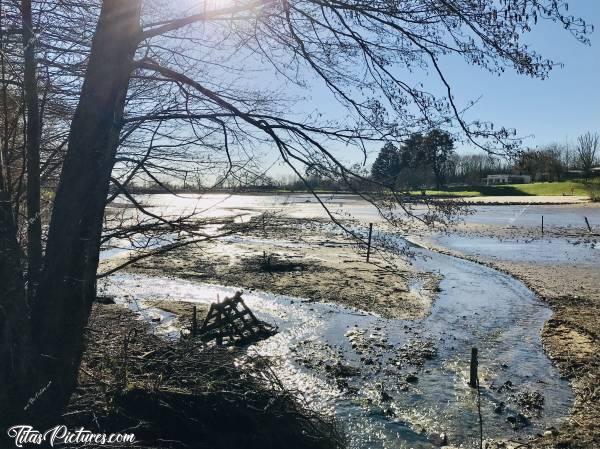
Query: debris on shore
(231,322)
(184,395)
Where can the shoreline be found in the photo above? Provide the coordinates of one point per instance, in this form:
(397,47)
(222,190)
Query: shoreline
(483,200)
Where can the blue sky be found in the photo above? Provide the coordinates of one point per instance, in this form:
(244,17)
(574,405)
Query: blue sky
(561,107)
(557,109)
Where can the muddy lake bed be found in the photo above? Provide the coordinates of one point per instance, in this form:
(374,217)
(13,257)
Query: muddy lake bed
(392,379)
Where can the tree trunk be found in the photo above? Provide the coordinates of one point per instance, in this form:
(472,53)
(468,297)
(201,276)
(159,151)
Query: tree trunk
(34,222)
(67,285)
(16,354)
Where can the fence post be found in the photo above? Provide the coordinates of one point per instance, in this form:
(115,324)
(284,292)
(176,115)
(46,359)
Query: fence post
(588,224)
(194,322)
(473,372)
(219,329)
(369,243)
(542,225)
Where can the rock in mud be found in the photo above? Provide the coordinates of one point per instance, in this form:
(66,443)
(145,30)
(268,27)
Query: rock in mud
(340,369)
(385,397)
(530,400)
(389,412)
(105,299)
(506,386)
(518,421)
(438,439)
(362,342)
(411,378)
(499,409)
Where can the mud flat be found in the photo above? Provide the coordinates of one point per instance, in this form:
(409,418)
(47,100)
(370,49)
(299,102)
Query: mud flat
(303,260)
(383,346)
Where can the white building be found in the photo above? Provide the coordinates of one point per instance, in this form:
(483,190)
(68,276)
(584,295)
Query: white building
(507,179)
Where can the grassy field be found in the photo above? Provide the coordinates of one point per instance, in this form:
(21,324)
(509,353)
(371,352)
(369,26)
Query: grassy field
(533,189)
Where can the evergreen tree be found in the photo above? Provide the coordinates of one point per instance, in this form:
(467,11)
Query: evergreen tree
(412,152)
(387,165)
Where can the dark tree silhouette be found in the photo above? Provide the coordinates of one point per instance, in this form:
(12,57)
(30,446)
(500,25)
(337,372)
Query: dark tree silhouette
(438,147)
(386,166)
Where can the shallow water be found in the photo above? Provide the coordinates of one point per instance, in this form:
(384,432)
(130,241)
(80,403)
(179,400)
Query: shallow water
(121,246)
(563,216)
(379,405)
(579,251)
(306,206)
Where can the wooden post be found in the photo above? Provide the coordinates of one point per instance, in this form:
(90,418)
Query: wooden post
(542,225)
(473,373)
(219,330)
(588,224)
(369,243)
(194,322)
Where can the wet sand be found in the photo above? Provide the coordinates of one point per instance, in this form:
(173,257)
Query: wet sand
(306,262)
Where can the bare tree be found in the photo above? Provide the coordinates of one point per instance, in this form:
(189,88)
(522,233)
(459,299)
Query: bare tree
(158,85)
(34,222)
(587,145)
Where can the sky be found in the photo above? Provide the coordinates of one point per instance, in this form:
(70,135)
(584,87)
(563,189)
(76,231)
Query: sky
(557,109)
(561,107)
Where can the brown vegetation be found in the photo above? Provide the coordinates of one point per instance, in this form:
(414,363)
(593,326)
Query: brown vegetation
(184,395)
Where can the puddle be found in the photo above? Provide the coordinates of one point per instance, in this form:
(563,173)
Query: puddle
(392,383)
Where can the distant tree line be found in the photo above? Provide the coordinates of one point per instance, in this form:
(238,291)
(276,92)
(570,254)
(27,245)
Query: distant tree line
(430,161)
(423,160)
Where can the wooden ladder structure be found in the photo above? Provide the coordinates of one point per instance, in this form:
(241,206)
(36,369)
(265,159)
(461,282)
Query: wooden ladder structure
(231,322)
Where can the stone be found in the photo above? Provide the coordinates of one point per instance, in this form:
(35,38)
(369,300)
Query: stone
(438,439)
(105,299)
(412,378)
(499,409)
